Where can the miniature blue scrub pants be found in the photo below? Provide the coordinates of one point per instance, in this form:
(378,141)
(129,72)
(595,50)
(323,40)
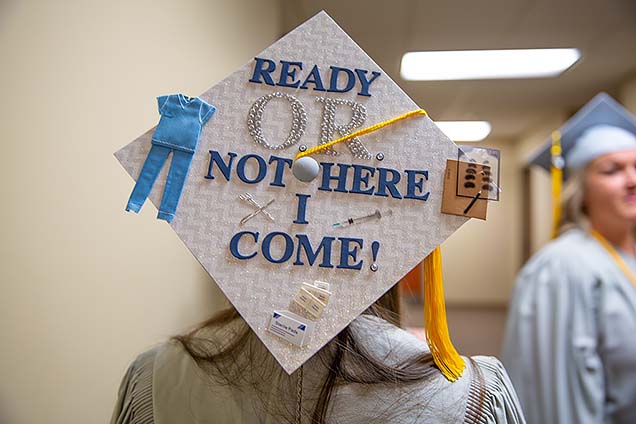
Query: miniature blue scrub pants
(174,183)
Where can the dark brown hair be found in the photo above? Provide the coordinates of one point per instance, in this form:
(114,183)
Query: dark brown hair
(232,355)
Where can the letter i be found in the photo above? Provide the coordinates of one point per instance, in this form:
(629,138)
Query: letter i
(302,209)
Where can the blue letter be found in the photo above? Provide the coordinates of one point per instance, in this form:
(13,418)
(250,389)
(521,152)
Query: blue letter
(259,71)
(280,169)
(347,252)
(286,73)
(262,169)
(305,245)
(364,91)
(316,80)
(235,241)
(302,206)
(384,183)
(358,179)
(224,167)
(341,178)
(333,83)
(289,247)
(412,185)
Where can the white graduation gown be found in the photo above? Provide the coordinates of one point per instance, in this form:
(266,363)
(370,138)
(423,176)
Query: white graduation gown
(570,343)
(164,385)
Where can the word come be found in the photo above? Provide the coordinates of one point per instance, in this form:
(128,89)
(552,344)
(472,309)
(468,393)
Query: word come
(278,247)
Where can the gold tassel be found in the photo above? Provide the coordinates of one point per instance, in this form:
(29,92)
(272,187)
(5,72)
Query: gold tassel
(556,172)
(444,354)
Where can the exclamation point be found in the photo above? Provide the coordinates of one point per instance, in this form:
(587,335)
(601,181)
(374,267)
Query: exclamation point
(375,246)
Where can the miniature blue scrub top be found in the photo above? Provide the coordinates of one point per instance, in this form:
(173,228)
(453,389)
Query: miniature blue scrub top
(181,120)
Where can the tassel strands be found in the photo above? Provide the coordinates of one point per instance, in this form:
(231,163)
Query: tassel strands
(444,354)
(556,173)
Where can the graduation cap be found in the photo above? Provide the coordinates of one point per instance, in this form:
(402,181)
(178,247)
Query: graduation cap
(302,235)
(601,126)
(603,112)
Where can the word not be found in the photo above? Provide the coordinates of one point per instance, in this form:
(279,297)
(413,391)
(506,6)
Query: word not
(341,80)
(302,247)
(349,178)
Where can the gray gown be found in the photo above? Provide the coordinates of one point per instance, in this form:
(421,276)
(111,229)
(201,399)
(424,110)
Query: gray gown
(164,385)
(570,344)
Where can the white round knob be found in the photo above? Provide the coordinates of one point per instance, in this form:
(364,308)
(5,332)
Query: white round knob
(305,169)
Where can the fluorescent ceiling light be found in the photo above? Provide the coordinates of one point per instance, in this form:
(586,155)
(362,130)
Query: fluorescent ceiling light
(465,130)
(486,64)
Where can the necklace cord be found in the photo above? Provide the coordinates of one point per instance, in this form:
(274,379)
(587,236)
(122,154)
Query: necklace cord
(615,256)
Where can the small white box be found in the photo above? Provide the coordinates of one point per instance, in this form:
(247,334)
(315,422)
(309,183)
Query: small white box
(290,327)
(309,303)
(322,294)
(321,285)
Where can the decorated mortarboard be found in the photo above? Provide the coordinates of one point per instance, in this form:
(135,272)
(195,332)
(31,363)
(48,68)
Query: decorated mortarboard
(601,126)
(314,187)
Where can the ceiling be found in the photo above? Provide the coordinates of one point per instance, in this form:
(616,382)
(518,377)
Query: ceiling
(604,31)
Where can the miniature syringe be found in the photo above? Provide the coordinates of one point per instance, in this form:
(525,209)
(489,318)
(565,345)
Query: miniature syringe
(350,221)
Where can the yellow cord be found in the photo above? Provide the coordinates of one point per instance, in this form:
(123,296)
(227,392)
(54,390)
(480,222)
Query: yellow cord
(614,254)
(444,354)
(323,147)
(556,172)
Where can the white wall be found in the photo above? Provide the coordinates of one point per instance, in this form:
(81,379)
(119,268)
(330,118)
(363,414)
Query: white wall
(627,94)
(86,286)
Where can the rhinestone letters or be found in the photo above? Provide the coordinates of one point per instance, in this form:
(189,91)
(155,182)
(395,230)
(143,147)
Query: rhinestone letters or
(255,120)
(329,126)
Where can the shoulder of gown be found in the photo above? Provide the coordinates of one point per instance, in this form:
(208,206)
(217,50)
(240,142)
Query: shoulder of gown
(165,385)
(135,401)
(574,250)
(482,395)
(495,391)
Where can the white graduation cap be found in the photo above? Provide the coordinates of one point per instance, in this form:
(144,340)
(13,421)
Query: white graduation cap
(601,126)
(276,244)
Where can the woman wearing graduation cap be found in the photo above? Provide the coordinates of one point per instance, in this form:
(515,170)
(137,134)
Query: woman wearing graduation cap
(224,371)
(570,344)
(373,371)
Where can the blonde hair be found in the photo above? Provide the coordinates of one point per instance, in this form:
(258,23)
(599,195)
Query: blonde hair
(573,212)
